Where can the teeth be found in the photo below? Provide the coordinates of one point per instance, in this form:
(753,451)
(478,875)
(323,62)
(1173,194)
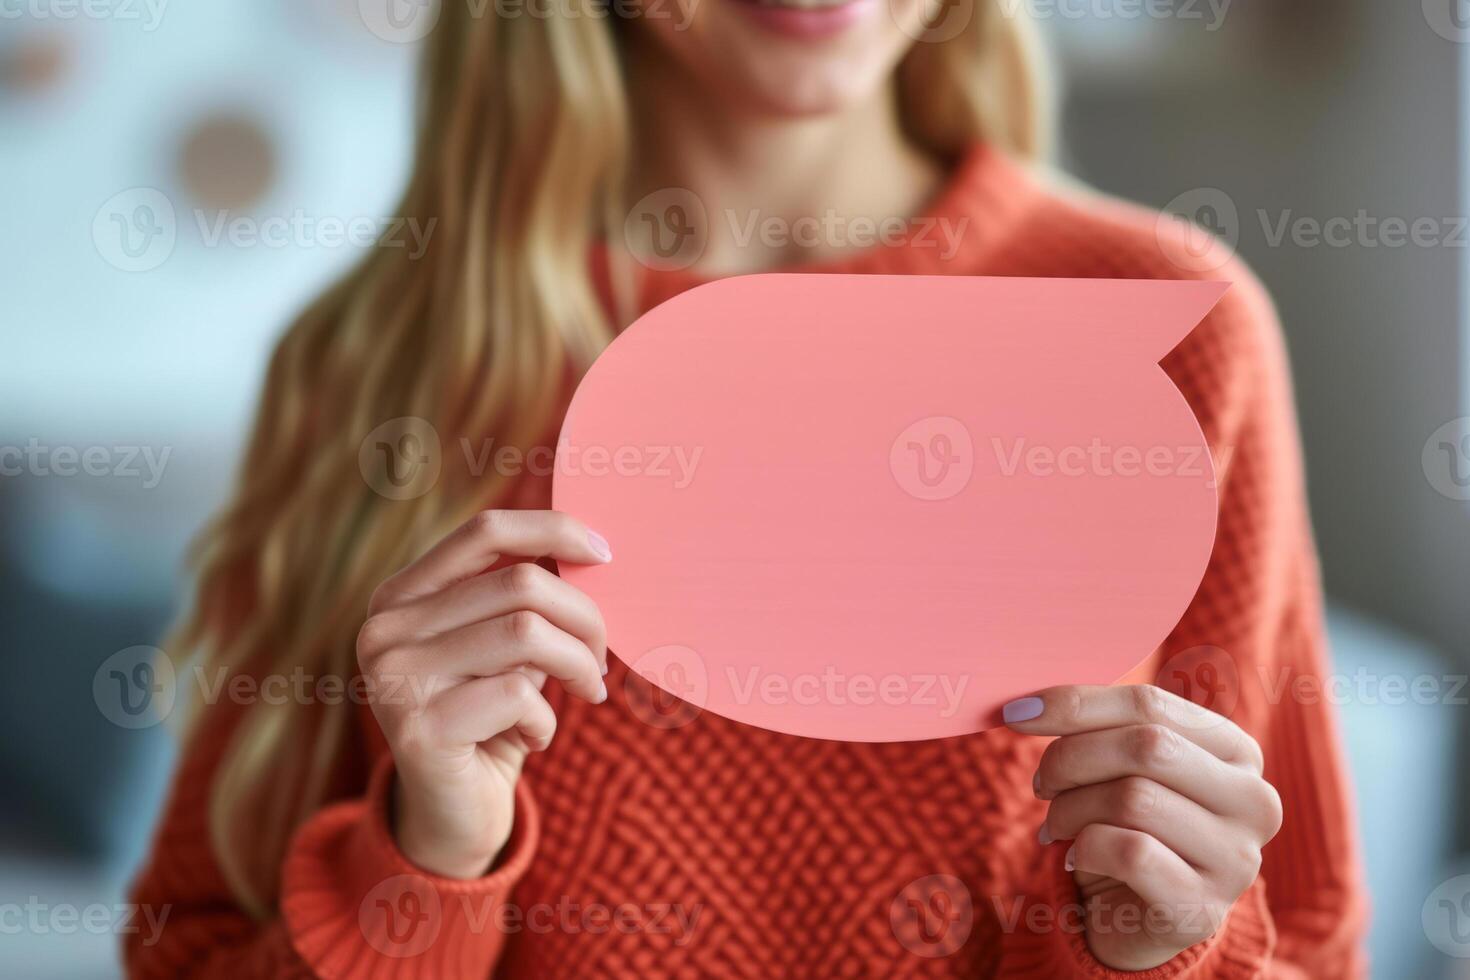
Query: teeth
(803,4)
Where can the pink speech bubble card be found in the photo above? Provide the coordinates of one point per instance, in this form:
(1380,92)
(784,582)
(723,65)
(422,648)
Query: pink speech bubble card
(876,508)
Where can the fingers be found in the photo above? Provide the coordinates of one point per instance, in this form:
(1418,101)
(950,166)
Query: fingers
(478,710)
(1165,757)
(1074,709)
(1201,838)
(1156,873)
(483,539)
(1155,792)
(519,639)
(523,585)
(475,647)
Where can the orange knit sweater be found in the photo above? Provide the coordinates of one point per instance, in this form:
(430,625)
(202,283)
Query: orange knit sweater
(715,849)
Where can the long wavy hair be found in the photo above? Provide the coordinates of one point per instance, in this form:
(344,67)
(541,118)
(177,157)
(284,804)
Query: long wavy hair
(522,149)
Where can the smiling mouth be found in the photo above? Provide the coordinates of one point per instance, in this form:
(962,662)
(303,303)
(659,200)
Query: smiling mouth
(807,19)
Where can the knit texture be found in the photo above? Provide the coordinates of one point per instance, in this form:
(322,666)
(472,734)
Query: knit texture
(699,847)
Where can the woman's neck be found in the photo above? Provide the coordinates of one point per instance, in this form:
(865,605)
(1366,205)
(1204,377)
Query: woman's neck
(774,190)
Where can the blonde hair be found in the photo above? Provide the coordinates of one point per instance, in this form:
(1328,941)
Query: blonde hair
(522,150)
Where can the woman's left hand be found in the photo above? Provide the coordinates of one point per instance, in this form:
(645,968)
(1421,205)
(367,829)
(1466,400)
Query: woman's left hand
(1166,809)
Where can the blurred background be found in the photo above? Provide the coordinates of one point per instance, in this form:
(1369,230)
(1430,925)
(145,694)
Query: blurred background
(181,178)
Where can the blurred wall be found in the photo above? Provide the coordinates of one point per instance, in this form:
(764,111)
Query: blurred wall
(1320,110)
(135,329)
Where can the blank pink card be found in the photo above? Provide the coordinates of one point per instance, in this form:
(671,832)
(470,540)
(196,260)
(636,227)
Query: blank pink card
(876,508)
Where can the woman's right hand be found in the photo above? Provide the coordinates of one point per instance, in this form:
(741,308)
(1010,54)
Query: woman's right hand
(455,658)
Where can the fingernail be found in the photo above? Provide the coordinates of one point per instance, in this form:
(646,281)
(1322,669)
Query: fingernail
(1070,861)
(1044,835)
(604,669)
(1022,709)
(1036,783)
(599,545)
(601,693)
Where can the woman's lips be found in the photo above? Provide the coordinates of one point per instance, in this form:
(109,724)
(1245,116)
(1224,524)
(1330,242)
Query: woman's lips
(807,18)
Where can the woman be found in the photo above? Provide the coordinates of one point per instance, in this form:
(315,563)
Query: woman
(468,816)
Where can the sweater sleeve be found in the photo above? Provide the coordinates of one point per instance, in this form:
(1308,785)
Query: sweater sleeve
(350,905)
(1257,623)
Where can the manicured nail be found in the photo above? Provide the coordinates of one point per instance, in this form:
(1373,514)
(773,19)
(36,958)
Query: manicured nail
(599,545)
(1022,709)
(601,693)
(1070,861)
(1044,835)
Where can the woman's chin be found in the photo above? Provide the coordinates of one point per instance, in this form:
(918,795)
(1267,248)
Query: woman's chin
(789,57)
(805,95)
